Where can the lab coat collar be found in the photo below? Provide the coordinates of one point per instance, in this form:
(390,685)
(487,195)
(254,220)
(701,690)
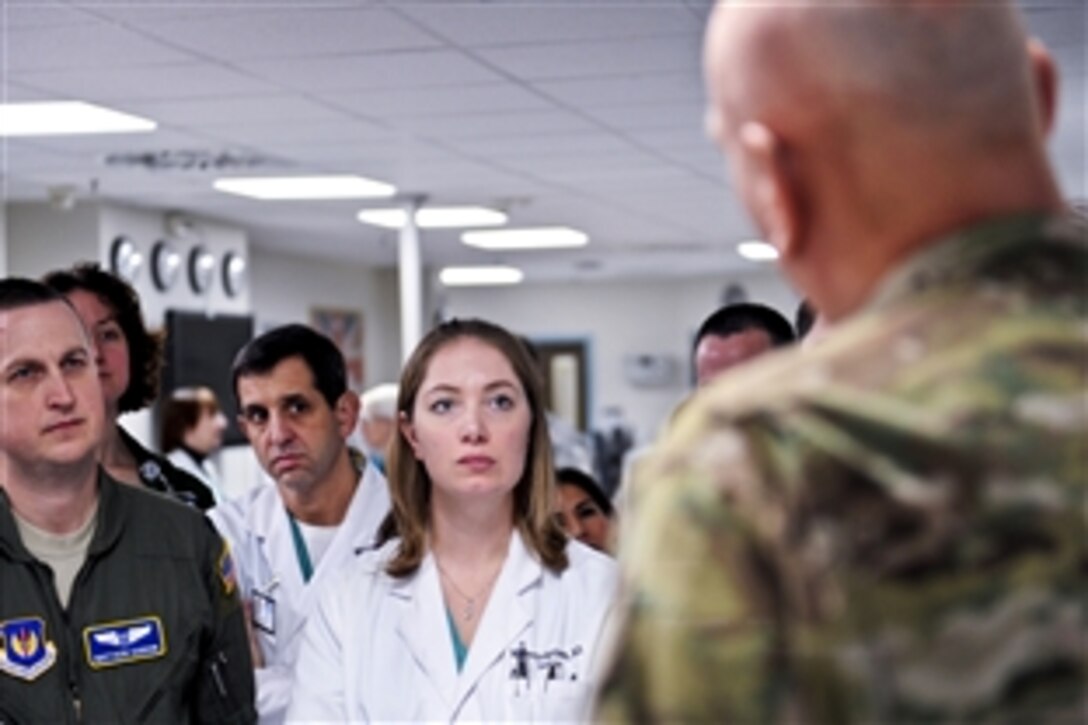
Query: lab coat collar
(423,622)
(270,525)
(267,515)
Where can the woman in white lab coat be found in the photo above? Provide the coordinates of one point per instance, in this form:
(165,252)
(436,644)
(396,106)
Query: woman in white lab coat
(476,607)
(192,433)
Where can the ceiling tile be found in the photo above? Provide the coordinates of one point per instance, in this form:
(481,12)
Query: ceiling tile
(544,146)
(534,23)
(95,44)
(189,80)
(277,109)
(312,133)
(283,31)
(19,16)
(442,101)
(619,90)
(402,69)
(582,60)
(687,115)
(496,125)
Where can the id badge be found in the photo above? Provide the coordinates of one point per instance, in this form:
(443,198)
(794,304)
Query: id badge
(264,612)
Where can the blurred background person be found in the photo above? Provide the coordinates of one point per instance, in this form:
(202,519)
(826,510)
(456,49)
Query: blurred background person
(192,433)
(734,334)
(582,509)
(129,359)
(378,422)
(477,607)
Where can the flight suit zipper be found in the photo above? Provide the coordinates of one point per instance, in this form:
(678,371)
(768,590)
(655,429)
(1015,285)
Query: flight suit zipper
(58,614)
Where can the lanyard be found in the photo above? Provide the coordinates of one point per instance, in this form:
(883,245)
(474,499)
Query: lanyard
(301,551)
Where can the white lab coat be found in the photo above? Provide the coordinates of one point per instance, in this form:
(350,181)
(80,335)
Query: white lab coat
(257,529)
(379,649)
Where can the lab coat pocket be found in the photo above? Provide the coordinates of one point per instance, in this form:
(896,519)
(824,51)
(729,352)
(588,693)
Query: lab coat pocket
(565,701)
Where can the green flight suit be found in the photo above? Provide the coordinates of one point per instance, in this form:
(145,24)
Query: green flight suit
(153,632)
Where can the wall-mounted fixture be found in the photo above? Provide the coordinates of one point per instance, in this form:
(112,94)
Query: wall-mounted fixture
(125,260)
(201,269)
(650,370)
(234,274)
(165,265)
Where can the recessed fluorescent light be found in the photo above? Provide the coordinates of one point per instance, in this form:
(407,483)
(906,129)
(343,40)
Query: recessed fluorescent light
(535,238)
(435,217)
(757,251)
(304,187)
(59,118)
(479,276)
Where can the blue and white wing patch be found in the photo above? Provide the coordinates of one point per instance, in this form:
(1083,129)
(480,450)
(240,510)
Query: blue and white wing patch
(121,643)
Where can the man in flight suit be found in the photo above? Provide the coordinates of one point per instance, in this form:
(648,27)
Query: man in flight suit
(116,603)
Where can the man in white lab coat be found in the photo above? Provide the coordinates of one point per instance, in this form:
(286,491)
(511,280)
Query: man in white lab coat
(288,539)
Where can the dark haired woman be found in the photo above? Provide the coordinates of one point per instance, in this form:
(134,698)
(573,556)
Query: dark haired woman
(129,361)
(582,509)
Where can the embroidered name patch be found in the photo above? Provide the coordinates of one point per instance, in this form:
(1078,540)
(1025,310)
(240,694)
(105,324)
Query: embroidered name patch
(24,651)
(121,643)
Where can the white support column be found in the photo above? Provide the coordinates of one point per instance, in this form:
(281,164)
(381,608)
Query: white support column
(411,282)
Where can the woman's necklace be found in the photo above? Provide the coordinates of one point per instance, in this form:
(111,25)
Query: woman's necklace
(469,612)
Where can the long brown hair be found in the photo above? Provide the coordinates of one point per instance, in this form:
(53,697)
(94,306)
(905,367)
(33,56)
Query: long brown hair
(410,486)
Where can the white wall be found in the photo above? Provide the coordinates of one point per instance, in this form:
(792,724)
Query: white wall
(616,319)
(3,239)
(41,238)
(286,287)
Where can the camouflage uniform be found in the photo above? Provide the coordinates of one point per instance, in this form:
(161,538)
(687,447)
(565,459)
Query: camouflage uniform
(888,527)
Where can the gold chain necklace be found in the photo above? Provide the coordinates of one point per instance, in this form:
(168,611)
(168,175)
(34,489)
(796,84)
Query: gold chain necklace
(470,601)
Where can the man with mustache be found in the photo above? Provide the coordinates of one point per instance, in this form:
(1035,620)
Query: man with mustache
(324,508)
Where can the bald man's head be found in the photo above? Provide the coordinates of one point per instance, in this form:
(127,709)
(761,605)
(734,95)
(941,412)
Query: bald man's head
(924,62)
(857,131)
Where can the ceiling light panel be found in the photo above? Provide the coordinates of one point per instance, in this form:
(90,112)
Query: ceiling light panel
(63,118)
(533,238)
(435,217)
(279,188)
(757,251)
(480,276)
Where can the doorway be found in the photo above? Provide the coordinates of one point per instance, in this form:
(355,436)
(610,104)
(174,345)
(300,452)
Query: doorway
(564,366)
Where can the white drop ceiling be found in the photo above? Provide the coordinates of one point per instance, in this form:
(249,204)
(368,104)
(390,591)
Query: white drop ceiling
(584,113)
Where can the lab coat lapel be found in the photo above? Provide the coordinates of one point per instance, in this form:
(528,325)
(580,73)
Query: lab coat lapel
(368,506)
(423,627)
(509,613)
(278,548)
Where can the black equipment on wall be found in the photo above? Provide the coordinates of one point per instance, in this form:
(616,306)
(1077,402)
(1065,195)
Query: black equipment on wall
(200,351)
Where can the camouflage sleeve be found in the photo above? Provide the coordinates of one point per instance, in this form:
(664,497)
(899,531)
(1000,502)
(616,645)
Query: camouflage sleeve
(780,570)
(702,638)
